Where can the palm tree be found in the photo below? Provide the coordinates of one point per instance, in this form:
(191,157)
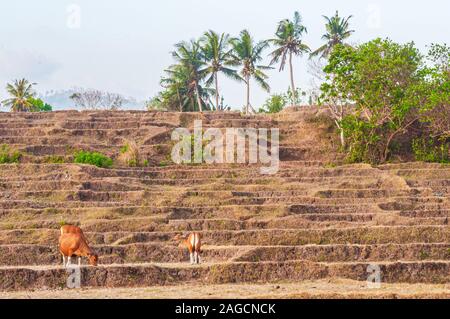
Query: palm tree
(288,42)
(176,85)
(180,90)
(246,54)
(21,91)
(337,32)
(189,56)
(218,56)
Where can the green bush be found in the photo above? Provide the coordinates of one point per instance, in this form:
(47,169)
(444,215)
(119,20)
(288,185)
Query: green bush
(274,104)
(8,156)
(93,158)
(39,105)
(427,150)
(124,149)
(382,79)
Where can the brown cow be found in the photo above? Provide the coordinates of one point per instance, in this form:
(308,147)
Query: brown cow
(71,229)
(73,243)
(193,244)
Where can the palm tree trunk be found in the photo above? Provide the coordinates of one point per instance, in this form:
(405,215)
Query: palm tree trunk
(217,91)
(342,138)
(291,69)
(192,104)
(179,100)
(199,100)
(247,81)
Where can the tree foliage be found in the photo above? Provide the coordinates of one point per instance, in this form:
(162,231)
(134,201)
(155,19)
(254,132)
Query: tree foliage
(274,104)
(93,158)
(218,55)
(337,32)
(247,54)
(288,43)
(381,80)
(39,106)
(21,91)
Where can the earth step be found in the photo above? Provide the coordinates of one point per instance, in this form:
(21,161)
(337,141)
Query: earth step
(271,237)
(53,185)
(369,193)
(349,253)
(104,191)
(239,212)
(17,255)
(24,278)
(425,173)
(445,213)
(413,165)
(161,222)
(133,198)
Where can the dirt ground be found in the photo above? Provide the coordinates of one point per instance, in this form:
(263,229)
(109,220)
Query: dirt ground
(329,288)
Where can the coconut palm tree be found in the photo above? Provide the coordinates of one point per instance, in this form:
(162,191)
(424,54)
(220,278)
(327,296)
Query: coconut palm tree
(337,32)
(189,56)
(180,92)
(21,91)
(218,57)
(288,42)
(176,87)
(246,54)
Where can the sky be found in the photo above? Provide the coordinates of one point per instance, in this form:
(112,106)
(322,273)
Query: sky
(124,46)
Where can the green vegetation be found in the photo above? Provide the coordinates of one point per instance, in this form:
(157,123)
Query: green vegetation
(274,104)
(8,156)
(185,77)
(247,55)
(23,98)
(288,42)
(387,100)
(93,158)
(39,106)
(190,83)
(387,88)
(337,32)
(427,150)
(219,59)
(277,102)
(124,149)
(20,91)
(129,154)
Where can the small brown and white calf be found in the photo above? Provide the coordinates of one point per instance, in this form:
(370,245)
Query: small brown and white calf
(73,243)
(193,244)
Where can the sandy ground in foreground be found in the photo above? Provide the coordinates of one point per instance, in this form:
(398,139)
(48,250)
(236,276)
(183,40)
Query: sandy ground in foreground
(334,288)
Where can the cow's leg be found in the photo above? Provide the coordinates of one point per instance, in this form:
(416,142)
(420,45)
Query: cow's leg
(191,257)
(198,257)
(79,261)
(68,261)
(64,261)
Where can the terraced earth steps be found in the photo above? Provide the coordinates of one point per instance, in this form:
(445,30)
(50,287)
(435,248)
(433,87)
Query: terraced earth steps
(144,275)
(316,220)
(16,255)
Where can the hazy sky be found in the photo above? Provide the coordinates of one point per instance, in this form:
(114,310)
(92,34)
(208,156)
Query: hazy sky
(123,46)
